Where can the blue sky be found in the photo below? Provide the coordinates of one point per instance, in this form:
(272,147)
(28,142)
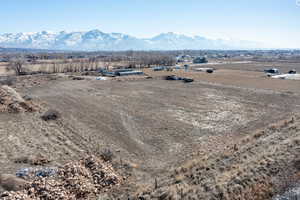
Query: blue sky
(275,22)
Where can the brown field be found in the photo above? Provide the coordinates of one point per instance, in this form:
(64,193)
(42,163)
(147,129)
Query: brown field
(159,125)
(283,66)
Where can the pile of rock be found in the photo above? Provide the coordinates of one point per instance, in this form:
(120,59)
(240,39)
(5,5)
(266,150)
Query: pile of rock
(76,180)
(11,101)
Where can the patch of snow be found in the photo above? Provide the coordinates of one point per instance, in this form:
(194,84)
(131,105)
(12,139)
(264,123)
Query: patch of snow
(97,40)
(287,76)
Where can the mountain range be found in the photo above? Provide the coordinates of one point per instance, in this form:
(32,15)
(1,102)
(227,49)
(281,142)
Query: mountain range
(96,40)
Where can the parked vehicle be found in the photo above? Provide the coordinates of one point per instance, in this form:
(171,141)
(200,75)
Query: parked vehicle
(272,71)
(293,71)
(210,71)
(188,80)
(177,78)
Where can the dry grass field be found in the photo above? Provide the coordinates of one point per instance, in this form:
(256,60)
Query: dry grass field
(180,138)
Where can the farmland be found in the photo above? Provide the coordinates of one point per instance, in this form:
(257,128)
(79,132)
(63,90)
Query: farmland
(233,121)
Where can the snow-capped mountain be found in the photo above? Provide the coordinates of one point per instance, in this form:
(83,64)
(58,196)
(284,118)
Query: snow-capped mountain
(96,40)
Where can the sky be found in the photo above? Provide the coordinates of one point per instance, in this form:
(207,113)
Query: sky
(273,22)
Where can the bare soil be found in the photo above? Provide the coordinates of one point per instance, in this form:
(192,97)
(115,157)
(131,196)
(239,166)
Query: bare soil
(259,66)
(154,124)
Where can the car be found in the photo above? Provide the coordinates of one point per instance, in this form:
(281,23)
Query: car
(292,71)
(272,71)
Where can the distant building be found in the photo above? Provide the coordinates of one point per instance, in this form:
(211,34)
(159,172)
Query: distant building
(4,60)
(200,60)
(184,58)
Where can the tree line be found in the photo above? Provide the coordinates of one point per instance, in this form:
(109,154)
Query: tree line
(79,62)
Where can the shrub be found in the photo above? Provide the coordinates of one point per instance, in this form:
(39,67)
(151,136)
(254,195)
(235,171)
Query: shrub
(107,155)
(51,115)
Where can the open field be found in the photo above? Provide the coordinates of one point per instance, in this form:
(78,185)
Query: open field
(254,65)
(155,124)
(236,78)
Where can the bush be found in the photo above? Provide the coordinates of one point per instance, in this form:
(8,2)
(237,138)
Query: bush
(50,115)
(77,78)
(297,164)
(107,155)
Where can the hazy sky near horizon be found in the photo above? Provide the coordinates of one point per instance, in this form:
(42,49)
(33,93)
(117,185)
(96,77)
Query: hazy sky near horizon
(274,22)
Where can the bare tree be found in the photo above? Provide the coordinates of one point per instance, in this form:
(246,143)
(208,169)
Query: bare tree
(17,66)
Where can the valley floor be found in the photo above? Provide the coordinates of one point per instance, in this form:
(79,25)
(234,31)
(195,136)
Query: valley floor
(157,125)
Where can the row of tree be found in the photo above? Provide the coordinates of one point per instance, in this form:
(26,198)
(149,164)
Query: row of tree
(84,62)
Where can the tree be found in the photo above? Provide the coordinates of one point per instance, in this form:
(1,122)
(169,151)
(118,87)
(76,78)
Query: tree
(17,66)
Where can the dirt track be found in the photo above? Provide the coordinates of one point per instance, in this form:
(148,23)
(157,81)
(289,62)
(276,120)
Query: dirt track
(144,120)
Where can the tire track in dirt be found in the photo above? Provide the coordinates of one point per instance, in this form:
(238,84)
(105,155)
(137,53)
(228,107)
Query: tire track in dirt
(133,119)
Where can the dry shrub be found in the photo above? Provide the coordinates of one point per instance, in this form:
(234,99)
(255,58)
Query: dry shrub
(179,178)
(246,139)
(281,124)
(22,159)
(296,141)
(260,191)
(297,164)
(51,115)
(78,78)
(33,160)
(27,97)
(107,155)
(258,134)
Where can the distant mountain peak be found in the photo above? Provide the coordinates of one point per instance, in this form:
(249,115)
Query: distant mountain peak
(95,39)
(169,34)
